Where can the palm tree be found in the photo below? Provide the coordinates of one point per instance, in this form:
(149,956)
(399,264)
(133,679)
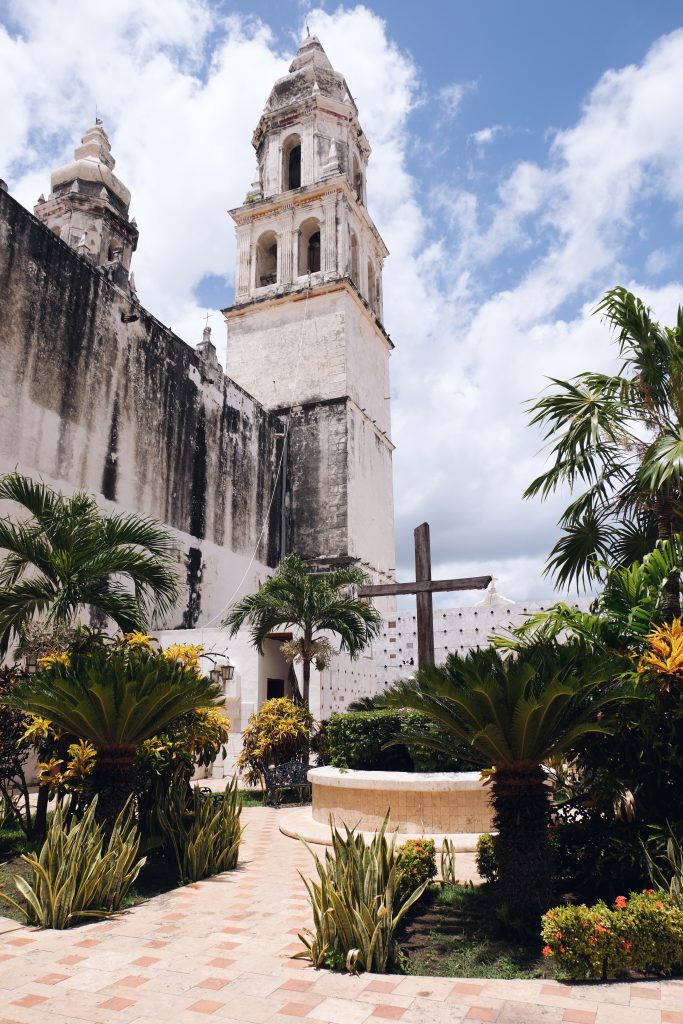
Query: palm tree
(515,714)
(64,553)
(620,618)
(621,437)
(297,597)
(116,698)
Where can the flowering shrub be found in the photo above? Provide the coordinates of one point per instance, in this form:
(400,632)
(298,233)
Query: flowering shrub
(415,864)
(642,934)
(664,656)
(277,733)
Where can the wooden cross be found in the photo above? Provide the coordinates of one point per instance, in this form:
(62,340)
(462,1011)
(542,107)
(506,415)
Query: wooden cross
(423,587)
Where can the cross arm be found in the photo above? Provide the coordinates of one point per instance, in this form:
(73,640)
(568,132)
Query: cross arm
(425,586)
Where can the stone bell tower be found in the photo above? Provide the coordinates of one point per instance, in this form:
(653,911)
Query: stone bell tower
(306,330)
(88,208)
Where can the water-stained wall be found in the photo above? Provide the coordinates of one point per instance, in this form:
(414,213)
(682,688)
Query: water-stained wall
(90,398)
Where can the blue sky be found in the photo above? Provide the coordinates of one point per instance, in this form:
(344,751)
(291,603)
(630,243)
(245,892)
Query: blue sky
(526,156)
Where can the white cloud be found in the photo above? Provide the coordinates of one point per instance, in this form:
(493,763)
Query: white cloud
(486,135)
(451,97)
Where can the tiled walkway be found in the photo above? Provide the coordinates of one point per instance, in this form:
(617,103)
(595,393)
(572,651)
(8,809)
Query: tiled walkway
(220,950)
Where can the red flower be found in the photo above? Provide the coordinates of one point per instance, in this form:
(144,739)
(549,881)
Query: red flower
(648,892)
(621,902)
(563,949)
(599,928)
(558,935)
(547,951)
(659,904)
(627,946)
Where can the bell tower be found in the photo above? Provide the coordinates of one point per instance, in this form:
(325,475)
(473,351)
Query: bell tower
(306,328)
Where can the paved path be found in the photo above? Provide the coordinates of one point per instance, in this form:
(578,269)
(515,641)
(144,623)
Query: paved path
(219,951)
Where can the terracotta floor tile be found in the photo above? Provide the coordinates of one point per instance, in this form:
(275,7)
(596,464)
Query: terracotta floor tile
(29,1000)
(296,985)
(214,983)
(465,988)
(482,1013)
(71,960)
(671,1017)
(297,1010)
(205,1006)
(133,981)
(388,1012)
(578,1017)
(145,961)
(117,1003)
(381,986)
(221,961)
(645,993)
(52,979)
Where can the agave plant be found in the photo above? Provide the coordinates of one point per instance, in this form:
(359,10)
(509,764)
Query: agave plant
(116,698)
(447,862)
(74,875)
(204,834)
(355,906)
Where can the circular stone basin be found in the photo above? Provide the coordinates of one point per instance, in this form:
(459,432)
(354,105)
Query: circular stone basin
(422,803)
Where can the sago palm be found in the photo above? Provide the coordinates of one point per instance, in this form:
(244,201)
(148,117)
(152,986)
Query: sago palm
(618,437)
(64,553)
(514,714)
(116,699)
(313,604)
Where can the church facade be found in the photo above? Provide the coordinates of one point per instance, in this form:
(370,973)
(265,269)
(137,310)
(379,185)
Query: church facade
(289,448)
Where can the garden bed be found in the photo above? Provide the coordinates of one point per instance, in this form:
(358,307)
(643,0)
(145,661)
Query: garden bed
(454,932)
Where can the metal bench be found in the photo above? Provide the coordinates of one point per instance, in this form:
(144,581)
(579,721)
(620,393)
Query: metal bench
(291,775)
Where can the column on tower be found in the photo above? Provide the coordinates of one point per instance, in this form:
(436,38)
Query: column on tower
(242,282)
(329,262)
(308,152)
(285,248)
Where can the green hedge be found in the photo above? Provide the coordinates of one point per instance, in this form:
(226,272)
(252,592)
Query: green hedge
(355,740)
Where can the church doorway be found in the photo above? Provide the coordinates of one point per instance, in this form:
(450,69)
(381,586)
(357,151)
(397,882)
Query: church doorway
(275,674)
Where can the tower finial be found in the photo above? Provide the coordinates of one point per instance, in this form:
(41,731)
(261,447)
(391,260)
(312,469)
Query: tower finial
(308,31)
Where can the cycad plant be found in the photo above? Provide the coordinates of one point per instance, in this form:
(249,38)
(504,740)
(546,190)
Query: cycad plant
(312,604)
(513,715)
(75,874)
(618,437)
(64,554)
(356,908)
(116,698)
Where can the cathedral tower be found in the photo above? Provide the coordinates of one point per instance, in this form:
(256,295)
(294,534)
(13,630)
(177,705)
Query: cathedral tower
(306,326)
(88,207)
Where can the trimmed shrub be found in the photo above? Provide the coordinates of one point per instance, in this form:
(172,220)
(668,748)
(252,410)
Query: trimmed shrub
(642,934)
(278,732)
(416,864)
(486,858)
(355,740)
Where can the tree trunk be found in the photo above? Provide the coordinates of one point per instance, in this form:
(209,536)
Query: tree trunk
(113,782)
(671,604)
(521,803)
(307,679)
(40,818)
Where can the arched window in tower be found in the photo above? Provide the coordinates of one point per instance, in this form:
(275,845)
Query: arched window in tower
(266,259)
(291,163)
(372,286)
(358,180)
(309,246)
(354,263)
